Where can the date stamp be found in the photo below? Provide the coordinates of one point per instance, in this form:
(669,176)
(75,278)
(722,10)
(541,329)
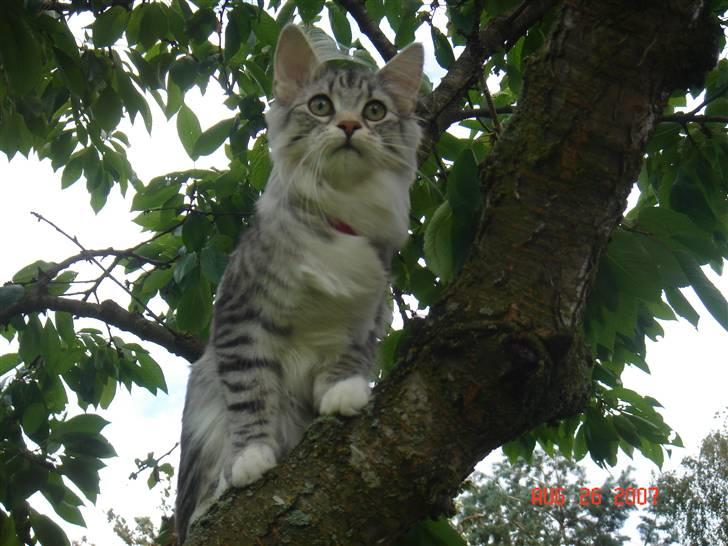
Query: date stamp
(594,496)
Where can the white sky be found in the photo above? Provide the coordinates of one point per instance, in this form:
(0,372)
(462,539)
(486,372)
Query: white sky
(689,367)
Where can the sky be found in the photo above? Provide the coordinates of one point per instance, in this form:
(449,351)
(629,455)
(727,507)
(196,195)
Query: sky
(689,366)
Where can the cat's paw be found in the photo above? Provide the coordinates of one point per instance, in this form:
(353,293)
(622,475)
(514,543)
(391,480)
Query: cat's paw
(251,463)
(346,397)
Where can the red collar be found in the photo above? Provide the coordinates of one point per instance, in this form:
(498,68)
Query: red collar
(343,227)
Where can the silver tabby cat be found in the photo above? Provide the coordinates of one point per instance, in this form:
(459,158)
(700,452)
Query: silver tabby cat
(303,300)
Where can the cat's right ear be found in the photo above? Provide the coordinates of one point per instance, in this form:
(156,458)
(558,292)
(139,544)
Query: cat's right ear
(295,62)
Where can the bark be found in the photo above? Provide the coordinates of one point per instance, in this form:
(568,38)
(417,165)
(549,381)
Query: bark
(501,353)
(37,300)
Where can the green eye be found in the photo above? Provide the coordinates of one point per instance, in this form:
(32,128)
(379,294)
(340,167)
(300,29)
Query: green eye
(321,105)
(375,110)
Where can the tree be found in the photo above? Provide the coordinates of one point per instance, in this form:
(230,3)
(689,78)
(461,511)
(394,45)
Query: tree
(545,501)
(692,509)
(539,291)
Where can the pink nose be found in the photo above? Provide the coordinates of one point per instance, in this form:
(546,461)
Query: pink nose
(349,126)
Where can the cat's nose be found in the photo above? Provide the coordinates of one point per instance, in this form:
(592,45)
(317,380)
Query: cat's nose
(349,126)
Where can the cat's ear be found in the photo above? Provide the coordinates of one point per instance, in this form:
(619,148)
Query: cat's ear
(294,63)
(402,77)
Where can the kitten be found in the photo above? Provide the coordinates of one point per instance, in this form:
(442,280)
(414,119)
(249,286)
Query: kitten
(303,301)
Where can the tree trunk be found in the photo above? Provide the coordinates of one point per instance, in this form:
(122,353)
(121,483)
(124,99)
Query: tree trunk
(501,353)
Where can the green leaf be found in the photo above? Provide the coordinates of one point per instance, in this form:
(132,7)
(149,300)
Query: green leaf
(202,23)
(185,267)
(8,362)
(339,24)
(9,294)
(108,392)
(107,109)
(309,9)
(237,31)
(46,531)
(213,264)
(711,297)
(212,138)
(260,163)
(463,185)
(195,307)
(93,445)
(8,535)
(188,129)
(438,243)
(20,53)
(151,375)
(682,306)
(153,25)
(72,171)
(155,195)
(61,283)
(34,416)
(87,423)
(375,9)
(63,500)
(388,350)
(195,230)
(432,533)
(32,271)
(184,72)
(443,50)
(84,472)
(109,26)
(266,29)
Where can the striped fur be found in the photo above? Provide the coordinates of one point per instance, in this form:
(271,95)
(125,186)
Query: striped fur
(301,305)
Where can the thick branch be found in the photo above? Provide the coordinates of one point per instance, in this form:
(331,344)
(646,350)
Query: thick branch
(500,353)
(436,109)
(111,313)
(677,117)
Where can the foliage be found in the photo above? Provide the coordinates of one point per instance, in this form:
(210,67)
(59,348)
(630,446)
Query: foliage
(71,72)
(693,508)
(502,508)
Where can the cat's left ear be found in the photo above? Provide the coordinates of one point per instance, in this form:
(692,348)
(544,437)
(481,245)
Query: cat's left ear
(402,77)
(295,62)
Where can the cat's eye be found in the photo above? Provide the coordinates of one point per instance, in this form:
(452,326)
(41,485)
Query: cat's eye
(321,105)
(375,110)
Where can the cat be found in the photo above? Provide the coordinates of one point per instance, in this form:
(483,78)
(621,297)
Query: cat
(304,300)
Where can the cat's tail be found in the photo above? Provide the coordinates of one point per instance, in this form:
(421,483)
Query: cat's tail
(203,446)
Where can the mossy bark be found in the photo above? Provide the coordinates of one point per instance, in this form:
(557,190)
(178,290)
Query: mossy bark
(501,353)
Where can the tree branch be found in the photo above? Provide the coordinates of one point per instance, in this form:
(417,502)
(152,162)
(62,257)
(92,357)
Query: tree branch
(438,108)
(692,118)
(34,301)
(370,29)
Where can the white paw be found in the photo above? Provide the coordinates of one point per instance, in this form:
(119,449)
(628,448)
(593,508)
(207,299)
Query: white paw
(346,397)
(252,462)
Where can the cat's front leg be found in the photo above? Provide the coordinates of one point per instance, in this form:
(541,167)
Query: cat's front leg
(344,388)
(251,387)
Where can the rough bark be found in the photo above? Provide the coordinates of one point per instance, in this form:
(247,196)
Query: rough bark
(501,352)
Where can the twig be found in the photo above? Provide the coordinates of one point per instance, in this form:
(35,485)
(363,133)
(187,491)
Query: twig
(401,305)
(143,465)
(151,313)
(491,106)
(470,113)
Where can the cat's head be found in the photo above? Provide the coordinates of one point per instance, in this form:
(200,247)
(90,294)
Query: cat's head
(343,122)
